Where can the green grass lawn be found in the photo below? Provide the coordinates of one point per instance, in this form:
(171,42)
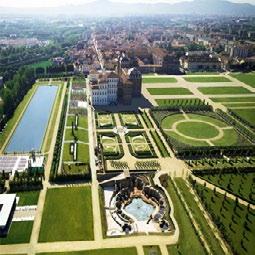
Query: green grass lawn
(83,153)
(105,120)
(19,232)
(242,185)
(197,130)
(28,197)
(188,240)
(204,79)
(159,80)
(233,99)
(151,250)
(247,78)
(66,153)
(199,217)
(129,119)
(74,169)
(112,251)
(236,222)
(110,144)
(169,91)
(163,151)
(246,114)
(168,121)
(183,101)
(224,90)
(81,134)
(235,105)
(82,121)
(230,138)
(67,215)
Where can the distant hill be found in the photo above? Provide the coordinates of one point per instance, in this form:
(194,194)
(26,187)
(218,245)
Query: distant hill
(108,8)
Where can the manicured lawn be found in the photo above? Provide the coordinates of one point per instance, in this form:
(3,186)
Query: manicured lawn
(242,185)
(169,91)
(110,144)
(247,78)
(66,153)
(159,80)
(229,138)
(205,79)
(129,119)
(28,197)
(168,121)
(163,151)
(206,118)
(186,140)
(19,232)
(233,99)
(67,215)
(81,134)
(151,250)
(223,90)
(112,251)
(82,121)
(188,240)
(75,169)
(234,105)
(83,153)
(104,120)
(246,114)
(199,218)
(235,221)
(183,101)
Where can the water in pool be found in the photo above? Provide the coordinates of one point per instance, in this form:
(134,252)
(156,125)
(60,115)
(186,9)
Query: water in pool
(30,131)
(139,209)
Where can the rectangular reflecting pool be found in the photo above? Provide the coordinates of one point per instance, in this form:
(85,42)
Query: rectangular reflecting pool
(29,133)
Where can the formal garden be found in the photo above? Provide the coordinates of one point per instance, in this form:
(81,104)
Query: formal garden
(130,120)
(247,78)
(159,80)
(105,120)
(201,129)
(206,79)
(169,91)
(139,145)
(235,221)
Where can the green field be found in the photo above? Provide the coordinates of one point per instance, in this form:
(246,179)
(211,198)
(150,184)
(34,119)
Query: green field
(83,153)
(233,99)
(188,239)
(66,153)
(112,251)
(82,121)
(28,197)
(205,79)
(67,215)
(247,78)
(169,91)
(246,114)
(159,80)
(241,185)
(235,221)
(19,232)
(199,218)
(224,90)
(81,134)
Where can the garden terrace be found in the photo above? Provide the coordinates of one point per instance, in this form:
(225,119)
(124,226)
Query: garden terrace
(130,120)
(200,131)
(105,120)
(235,221)
(139,145)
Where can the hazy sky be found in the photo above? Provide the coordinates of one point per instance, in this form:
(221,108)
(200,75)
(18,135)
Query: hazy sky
(50,3)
